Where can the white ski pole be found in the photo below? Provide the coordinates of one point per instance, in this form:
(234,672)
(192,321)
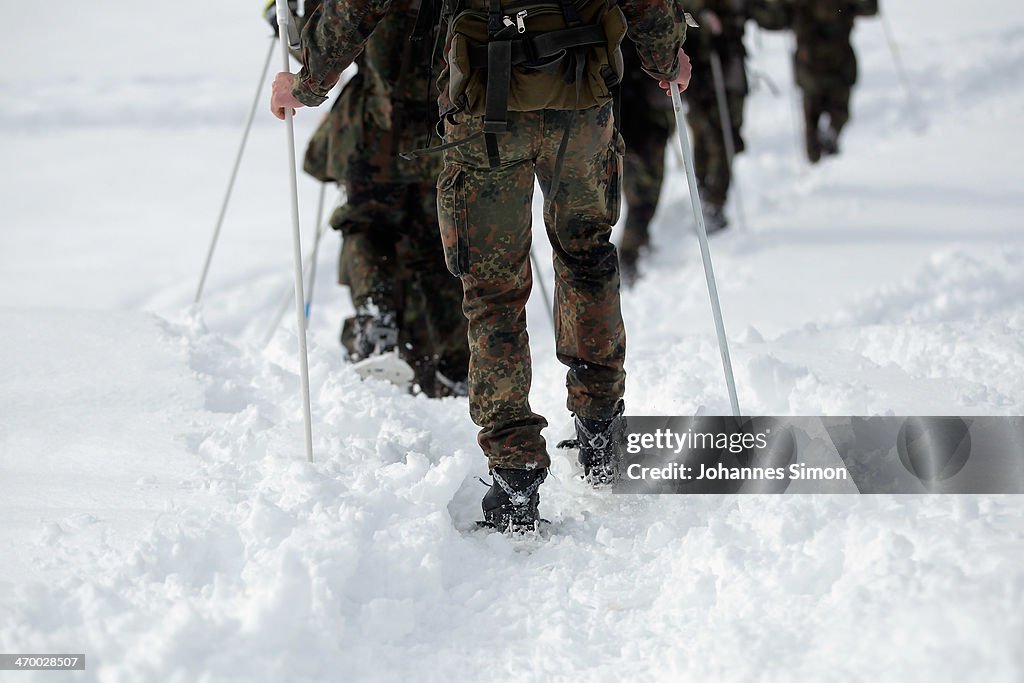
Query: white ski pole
(311,282)
(284,19)
(539,279)
(902,73)
(234,172)
(725,119)
(796,107)
(705,251)
(311,264)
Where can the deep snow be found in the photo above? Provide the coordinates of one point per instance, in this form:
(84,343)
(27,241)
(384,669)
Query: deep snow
(156,512)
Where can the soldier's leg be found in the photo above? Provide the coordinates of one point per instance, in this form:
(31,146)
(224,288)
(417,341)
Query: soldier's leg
(812,115)
(643,173)
(368,262)
(590,338)
(416,346)
(737,103)
(438,294)
(485,216)
(698,118)
(836,103)
(718,175)
(708,158)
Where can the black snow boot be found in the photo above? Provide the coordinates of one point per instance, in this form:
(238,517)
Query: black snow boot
(600,447)
(371,334)
(714,218)
(829,141)
(510,505)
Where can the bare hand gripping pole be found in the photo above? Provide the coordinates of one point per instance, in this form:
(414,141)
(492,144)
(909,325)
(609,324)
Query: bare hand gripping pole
(284,19)
(705,252)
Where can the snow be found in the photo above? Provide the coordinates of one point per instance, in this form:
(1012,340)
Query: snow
(156,511)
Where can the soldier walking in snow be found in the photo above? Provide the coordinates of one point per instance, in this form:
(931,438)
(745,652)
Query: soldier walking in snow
(722,25)
(825,66)
(525,95)
(646,123)
(391,259)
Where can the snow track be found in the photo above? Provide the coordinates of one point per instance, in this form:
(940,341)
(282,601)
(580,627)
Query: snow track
(156,511)
(364,566)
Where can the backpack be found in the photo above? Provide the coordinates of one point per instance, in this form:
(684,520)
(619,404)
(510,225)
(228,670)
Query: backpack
(534,54)
(525,56)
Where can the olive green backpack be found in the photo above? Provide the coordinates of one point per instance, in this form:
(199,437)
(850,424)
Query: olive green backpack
(527,55)
(553,54)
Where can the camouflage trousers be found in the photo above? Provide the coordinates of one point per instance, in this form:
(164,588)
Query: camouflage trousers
(646,133)
(710,160)
(392,261)
(832,99)
(486,226)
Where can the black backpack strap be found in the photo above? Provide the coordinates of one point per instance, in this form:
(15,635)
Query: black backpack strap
(427,151)
(426,19)
(572,17)
(499,80)
(538,51)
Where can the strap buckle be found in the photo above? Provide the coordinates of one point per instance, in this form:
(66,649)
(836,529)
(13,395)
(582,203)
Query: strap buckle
(495,127)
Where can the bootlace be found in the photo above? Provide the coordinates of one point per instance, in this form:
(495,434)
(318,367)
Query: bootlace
(517,498)
(597,441)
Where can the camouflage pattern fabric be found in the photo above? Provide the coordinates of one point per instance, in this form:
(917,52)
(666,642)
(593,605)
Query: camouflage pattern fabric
(825,63)
(364,134)
(392,261)
(336,32)
(486,228)
(824,58)
(646,122)
(385,109)
(391,257)
(486,219)
(709,154)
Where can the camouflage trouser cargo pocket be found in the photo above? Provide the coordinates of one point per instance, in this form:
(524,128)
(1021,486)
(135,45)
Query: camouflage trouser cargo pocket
(616,153)
(452,215)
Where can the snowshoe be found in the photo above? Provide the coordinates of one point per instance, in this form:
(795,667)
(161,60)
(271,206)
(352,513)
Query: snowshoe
(511,503)
(451,386)
(389,367)
(373,349)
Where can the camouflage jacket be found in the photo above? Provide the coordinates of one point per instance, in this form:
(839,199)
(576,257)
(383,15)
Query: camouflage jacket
(822,29)
(385,109)
(337,31)
(734,15)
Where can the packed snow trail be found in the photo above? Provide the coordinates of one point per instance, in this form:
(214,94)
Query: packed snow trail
(156,512)
(366,566)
